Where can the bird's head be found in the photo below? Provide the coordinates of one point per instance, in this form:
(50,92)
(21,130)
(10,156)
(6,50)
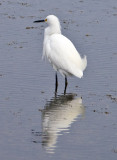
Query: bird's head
(52,21)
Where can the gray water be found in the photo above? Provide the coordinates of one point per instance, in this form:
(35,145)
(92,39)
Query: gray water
(34,124)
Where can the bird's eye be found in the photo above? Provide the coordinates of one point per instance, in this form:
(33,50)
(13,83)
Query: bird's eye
(45,20)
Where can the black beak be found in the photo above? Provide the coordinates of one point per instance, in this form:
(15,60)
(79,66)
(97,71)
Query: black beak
(38,21)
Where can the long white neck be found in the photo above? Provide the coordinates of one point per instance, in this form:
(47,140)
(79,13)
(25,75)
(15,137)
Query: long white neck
(53,28)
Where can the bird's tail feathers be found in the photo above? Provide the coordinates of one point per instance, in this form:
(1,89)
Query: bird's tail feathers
(84,63)
(77,72)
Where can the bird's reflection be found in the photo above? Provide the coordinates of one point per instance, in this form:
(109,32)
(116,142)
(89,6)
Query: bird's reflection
(58,115)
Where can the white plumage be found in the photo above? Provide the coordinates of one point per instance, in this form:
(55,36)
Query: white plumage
(60,51)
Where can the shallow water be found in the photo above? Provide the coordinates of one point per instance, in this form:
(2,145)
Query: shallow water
(34,124)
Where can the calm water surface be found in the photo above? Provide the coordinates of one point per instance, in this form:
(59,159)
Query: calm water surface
(34,124)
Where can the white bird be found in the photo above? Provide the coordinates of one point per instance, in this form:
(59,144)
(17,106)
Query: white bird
(61,52)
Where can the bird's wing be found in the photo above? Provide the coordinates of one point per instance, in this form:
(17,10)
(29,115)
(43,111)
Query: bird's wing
(63,55)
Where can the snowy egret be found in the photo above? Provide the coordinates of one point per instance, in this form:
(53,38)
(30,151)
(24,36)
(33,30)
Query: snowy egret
(61,52)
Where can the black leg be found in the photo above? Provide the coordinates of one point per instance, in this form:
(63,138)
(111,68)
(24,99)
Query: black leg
(66,83)
(56,83)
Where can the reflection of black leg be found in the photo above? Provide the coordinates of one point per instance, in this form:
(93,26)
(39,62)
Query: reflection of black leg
(65,85)
(56,84)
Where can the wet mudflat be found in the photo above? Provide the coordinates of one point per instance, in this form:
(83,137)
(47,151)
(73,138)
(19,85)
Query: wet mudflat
(34,124)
